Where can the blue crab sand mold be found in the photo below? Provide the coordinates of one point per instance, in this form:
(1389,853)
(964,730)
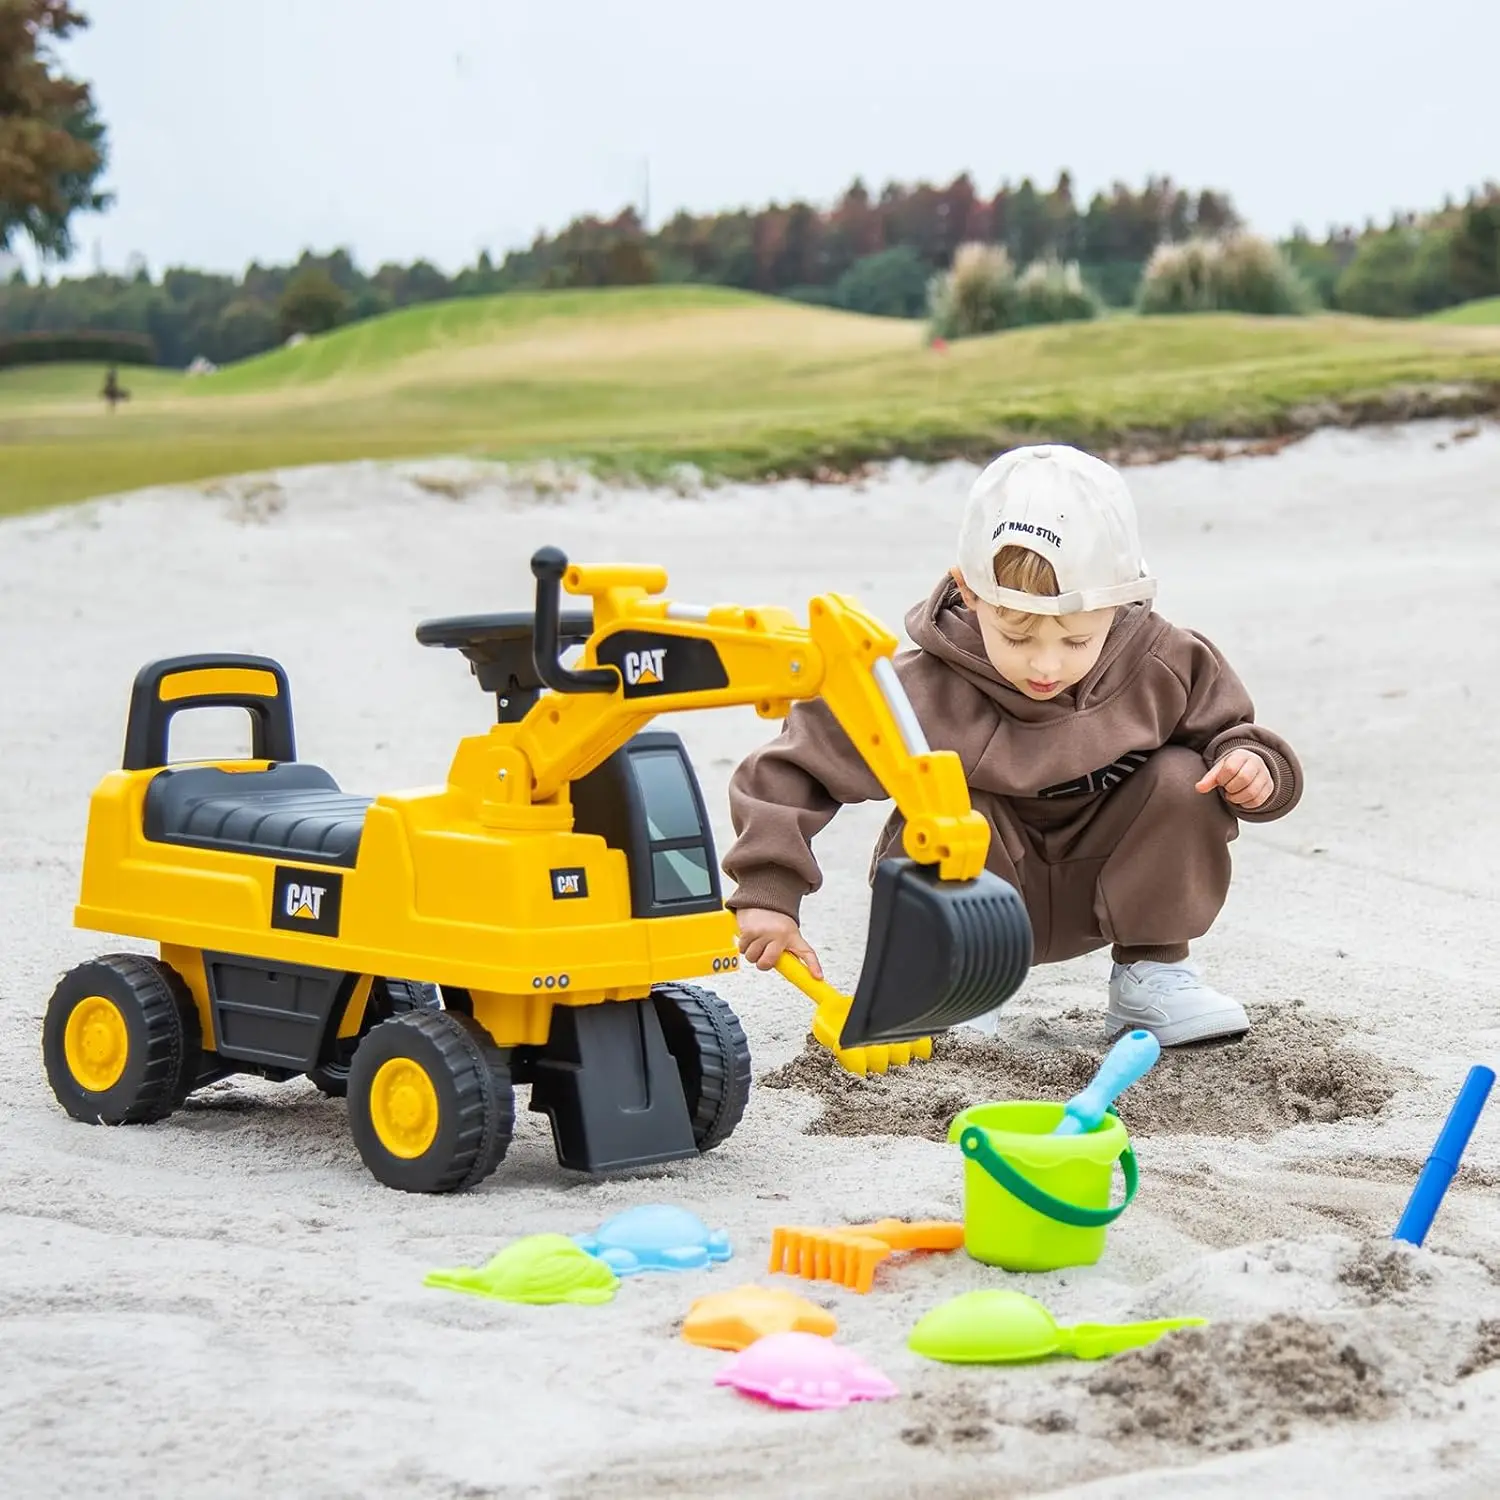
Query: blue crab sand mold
(655,1237)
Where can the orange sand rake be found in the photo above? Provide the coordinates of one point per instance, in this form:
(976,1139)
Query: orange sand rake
(849,1253)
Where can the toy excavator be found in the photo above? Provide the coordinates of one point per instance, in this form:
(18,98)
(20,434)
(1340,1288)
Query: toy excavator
(537,919)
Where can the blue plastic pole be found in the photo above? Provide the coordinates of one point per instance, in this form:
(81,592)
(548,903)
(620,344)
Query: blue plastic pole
(1437,1173)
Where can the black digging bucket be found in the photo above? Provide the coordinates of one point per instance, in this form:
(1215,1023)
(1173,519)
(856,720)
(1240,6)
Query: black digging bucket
(939,953)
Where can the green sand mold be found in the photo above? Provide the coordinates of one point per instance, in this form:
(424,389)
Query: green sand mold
(541,1268)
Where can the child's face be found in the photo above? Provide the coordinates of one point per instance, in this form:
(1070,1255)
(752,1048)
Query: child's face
(1040,655)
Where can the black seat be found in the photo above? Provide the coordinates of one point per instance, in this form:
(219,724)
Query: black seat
(290,811)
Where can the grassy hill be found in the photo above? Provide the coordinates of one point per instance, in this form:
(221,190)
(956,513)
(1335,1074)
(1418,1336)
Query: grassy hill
(1485,311)
(637,379)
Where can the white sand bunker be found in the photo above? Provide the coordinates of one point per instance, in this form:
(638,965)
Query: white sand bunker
(227,1304)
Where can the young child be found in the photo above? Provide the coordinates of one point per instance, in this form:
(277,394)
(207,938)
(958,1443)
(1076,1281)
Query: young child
(1113,753)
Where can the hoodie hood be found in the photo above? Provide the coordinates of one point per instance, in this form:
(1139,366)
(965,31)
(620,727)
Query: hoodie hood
(946,628)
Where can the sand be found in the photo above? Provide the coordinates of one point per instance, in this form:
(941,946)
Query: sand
(227,1304)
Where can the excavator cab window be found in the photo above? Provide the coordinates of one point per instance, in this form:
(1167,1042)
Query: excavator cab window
(645,799)
(674,827)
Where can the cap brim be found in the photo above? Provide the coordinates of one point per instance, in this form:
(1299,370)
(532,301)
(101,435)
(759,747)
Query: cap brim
(1079,602)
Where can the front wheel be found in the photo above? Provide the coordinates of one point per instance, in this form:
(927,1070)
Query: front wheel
(121,1040)
(712,1055)
(431,1107)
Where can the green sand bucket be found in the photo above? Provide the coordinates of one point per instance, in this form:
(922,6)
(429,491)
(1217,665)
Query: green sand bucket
(1034,1201)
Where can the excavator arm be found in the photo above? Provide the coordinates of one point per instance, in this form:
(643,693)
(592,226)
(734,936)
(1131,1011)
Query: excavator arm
(649,656)
(948,940)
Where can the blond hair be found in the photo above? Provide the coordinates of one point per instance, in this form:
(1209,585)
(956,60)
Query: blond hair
(1026,572)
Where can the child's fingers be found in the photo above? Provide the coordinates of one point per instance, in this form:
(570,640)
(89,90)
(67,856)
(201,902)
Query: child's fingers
(1214,776)
(1238,773)
(757,951)
(802,951)
(1242,780)
(1255,794)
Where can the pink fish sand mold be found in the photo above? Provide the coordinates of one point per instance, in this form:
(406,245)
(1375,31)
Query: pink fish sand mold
(805,1370)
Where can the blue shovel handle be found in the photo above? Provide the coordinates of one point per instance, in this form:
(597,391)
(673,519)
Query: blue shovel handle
(1422,1206)
(1129,1060)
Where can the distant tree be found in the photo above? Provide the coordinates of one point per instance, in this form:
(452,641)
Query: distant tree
(891,284)
(961,216)
(626,263)
(52,143)
(243,328)
(1317,264)
(853,229)
(1064,229)
(1028,224)
(799,255)
(313,302)
(1378,281)
(1475,252)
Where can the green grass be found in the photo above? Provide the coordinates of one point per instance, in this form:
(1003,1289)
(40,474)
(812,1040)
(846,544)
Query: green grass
(1485,311)
(636,380)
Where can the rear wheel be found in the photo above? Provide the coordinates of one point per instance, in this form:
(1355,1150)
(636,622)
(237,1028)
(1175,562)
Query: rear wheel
(431,1107)
(121,1040)
(708,1045)
(388,998)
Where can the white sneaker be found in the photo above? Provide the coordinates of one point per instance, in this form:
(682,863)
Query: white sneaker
(1171,1002)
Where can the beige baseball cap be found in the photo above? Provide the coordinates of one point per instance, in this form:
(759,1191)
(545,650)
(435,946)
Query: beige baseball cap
(1069,507)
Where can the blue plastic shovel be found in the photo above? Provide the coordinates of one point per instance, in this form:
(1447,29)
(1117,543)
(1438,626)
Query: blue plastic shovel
(1442,1165)
(1129,1060)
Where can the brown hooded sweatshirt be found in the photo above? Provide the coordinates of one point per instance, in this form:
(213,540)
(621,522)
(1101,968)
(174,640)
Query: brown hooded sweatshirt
(1074,784)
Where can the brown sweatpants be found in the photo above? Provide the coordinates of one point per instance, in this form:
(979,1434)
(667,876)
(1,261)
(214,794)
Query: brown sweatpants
(1144,865)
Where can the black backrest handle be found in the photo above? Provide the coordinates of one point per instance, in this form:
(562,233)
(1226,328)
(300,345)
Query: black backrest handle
(548,564)
(222,680)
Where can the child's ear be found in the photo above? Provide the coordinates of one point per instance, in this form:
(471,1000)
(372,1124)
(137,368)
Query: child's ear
(964,591)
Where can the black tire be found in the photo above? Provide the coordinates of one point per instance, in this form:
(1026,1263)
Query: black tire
(503,1117)
(388,997)
(712,1055)
(475,1102)
(163,1039)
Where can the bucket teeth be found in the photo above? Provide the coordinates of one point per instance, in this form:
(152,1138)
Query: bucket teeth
(880,1057)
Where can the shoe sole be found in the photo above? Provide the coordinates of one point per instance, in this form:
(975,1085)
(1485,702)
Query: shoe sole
(1214,1025)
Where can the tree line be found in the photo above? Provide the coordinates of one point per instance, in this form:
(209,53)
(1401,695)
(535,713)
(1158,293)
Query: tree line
(869,253)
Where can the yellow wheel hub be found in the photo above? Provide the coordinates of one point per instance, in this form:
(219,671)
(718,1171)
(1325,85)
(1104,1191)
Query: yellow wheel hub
(96,1044)
(404,1107)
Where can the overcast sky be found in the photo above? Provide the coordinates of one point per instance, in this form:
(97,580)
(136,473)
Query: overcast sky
(250,129)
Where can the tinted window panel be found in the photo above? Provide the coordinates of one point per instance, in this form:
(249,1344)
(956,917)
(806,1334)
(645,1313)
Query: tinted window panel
(680,874)
(668,795)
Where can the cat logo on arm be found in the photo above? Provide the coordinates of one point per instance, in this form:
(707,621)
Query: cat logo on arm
(307,900)
(646,668)
(653,664)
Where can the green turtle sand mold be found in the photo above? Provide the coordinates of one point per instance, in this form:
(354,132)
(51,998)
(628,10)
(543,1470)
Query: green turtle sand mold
(541,1268)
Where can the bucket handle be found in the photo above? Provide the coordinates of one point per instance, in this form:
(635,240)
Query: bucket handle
(975,1145)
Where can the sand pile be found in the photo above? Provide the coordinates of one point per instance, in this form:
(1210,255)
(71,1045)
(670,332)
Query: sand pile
(1245,1387)
(1292,1066)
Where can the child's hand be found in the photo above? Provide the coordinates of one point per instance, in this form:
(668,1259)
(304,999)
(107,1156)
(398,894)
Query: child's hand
(1245,777)
(766,935)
